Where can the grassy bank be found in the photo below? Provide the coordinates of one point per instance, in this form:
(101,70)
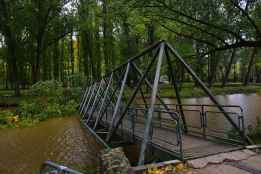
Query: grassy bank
(42,101)
(189,90)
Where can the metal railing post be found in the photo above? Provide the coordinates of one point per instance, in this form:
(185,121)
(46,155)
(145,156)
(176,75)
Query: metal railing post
(204,120)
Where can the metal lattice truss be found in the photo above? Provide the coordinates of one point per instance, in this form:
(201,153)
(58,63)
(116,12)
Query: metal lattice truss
(134,87)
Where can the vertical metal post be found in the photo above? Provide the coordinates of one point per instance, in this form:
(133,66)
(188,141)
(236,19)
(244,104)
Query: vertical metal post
(107,105)
(103,101)
(175,85)
(151,109)
(83,98)
(94,105)
(204,121)
(94,101)
(179,134)
(86,98)
(119,99)
(133,124)
(89,100)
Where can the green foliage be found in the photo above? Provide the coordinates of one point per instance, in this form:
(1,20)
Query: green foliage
(30,108)
(43,108)
(52,100)
(70,107)
(46,88)
(4,117)
(76,80)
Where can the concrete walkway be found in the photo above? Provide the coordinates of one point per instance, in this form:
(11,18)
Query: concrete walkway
(237,162)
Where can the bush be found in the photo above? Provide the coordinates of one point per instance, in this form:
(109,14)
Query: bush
(42,109)
(47,88)
(70,108)
(30,108)
(49,99)
(4,117)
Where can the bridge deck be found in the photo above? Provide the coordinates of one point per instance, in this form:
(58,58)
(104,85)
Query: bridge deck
(192,145)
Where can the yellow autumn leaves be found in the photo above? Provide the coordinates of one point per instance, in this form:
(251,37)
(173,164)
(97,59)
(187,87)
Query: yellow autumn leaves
(13,119)
(169,169)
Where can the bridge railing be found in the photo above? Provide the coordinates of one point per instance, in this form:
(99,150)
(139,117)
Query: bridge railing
(50,167)
(135,123)
(207,121)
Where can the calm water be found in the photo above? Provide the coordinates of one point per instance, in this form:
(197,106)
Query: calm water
(251,104)
(61,140)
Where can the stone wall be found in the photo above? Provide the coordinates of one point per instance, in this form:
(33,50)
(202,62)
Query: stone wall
(114,161)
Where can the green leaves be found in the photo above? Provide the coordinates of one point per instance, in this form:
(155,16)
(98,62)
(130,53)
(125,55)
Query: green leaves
(46,88)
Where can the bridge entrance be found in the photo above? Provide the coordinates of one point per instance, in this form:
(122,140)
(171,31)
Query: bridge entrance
(126,106)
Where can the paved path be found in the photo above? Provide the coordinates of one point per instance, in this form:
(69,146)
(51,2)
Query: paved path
(237,162)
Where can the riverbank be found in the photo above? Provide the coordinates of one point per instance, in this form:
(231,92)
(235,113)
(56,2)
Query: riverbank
(43,100)
(189,90)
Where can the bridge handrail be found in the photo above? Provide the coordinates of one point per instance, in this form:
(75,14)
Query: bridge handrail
(207,105)
(175,117)
(58,167)
(204,112)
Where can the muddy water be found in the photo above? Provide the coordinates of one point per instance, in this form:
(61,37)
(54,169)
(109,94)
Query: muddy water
(251,104)
(61,140)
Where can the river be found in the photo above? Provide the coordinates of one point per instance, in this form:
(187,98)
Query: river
(62,140)
(251,104)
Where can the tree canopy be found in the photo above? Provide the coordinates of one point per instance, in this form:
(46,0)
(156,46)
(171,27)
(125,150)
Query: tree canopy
(72,39)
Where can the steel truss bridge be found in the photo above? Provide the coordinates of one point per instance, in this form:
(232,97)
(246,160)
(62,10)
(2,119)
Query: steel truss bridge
(126,106)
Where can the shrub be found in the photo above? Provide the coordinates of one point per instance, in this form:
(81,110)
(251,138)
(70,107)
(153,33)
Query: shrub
(47,88)
(42,109)
(30,108)
(50,100)
(4,117)
(70,108)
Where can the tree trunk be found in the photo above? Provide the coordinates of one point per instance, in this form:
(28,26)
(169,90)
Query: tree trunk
(107,37)
(213,64)
(36,67)
(72,53)
(228,69)
(56,62)
(251,62)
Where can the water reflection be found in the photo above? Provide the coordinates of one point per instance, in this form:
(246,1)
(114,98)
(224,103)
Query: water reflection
(251,104)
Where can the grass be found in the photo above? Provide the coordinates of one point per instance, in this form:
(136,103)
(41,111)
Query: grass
(189,90)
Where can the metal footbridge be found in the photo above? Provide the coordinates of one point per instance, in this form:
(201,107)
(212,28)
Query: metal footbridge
(126,107)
